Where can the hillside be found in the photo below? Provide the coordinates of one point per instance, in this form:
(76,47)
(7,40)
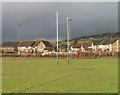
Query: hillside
(90,38)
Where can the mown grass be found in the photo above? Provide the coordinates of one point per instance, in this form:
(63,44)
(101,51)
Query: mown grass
(35,75)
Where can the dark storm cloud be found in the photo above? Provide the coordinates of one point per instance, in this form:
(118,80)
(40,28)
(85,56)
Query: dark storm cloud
(38,19)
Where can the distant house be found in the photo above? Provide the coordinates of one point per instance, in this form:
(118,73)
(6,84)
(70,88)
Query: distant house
(8,47)
(42,46)
(102,45)
(85,47)
(25,46)
(95,45)
(111,45)
(75,47)
(34,46)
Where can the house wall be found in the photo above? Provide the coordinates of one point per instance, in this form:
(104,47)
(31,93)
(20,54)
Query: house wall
(97,47)
(93,47)
(102,47)
(82,49)
(40,47)
(75,49)
(107,46)
(110,47)
(25,49)
(115,47)
(7,49)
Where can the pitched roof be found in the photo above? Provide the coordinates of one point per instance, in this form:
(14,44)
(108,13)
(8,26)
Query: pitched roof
(111,41)
(104,41)
(33,43)
(9,44)
(47,43)
(96,42)
(36,43)
(25,44)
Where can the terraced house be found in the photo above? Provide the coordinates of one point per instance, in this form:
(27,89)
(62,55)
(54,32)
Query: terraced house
(8,47)
(95,45)
(110,45)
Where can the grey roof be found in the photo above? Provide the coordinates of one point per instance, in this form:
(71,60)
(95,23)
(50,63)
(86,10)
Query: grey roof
(47,43)
(104,42)
(111,41)
(96,42)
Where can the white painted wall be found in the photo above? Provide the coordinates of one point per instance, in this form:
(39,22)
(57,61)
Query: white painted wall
(102,47)
(110,47)
(93,47)
(74,49)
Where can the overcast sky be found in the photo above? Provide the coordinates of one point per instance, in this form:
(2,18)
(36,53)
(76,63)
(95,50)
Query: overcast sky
(39,19)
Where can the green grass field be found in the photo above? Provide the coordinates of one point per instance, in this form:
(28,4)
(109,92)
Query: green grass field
(35,75)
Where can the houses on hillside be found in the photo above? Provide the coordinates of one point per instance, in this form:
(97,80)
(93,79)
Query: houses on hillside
(95,45)
(110,45)
(102,45)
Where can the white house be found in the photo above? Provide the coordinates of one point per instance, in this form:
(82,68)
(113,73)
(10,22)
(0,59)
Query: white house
(25,46)
(75,47)
(34,46)
(111,45)
(42,46)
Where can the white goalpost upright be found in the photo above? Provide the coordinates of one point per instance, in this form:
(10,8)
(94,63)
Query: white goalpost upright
(68,37)
(57,49)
